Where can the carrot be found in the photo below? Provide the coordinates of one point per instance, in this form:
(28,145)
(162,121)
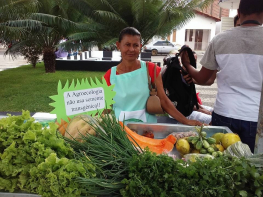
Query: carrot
(62,126)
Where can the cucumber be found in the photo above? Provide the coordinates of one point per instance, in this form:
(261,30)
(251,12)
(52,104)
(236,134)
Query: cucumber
(203,151)
(190,139)
(205,144)
(215,154)
(203,134)
(210,150)
(211,140)
(198,145)
(195,140)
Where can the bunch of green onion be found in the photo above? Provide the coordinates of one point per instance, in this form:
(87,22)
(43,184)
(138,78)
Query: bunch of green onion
(109,151)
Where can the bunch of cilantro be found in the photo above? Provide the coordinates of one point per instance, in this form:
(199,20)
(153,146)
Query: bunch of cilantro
(37,160)
(161,176)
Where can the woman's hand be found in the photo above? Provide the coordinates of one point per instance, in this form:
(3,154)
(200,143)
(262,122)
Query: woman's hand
(205,111)
(195,123)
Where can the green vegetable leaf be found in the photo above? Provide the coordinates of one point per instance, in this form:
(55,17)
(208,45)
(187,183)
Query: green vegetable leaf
(243,193)
(37,160)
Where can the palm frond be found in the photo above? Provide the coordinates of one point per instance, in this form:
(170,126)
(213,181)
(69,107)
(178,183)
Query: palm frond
(84,35)
(25,23)
(150,17)
(109,17)
(51,20)
(17,9)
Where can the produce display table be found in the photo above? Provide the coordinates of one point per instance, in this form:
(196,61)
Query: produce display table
(161,131)
(3,194)
(166,120)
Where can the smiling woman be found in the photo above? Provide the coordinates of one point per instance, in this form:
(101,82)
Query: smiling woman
(131,83)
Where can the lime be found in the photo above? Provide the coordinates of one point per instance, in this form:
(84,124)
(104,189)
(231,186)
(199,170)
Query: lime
(229,139)
(183,146)
(218,137)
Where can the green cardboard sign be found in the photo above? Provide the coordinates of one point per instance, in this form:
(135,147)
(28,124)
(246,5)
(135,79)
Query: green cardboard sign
(82,98)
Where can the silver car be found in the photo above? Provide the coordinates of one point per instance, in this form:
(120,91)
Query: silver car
(161,47)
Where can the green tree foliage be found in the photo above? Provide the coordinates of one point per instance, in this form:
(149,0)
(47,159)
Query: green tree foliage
(151,17)
(14,17)
(31,53)
(42,23)
(57,20)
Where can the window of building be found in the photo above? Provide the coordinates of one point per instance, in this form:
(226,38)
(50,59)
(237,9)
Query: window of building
(191,35)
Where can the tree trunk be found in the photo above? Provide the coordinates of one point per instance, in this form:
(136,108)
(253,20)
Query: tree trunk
(100,46)
(34,61)
(49,60)
(34,64)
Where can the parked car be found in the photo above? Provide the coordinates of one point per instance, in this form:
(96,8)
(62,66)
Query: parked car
(162,46)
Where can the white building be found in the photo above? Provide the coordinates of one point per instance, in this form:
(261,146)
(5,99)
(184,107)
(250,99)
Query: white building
(197,33)
(200,30)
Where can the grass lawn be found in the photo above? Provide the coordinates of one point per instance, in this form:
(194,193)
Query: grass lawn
(29,88)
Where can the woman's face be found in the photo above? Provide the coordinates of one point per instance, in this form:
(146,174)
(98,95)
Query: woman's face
(129,47)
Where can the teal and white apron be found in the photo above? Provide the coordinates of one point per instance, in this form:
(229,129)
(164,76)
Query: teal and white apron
(132,93)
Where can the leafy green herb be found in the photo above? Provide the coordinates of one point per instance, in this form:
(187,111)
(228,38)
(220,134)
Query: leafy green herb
(152,175)
(121,169)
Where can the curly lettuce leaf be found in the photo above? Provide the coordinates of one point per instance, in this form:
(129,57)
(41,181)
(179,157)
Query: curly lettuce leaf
(35,159)
(55,177)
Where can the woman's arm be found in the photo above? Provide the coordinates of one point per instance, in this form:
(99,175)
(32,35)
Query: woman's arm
(168,106)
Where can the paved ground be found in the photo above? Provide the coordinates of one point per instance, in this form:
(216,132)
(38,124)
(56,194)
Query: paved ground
(6,62)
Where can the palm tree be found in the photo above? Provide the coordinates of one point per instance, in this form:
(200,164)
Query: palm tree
(14,18)
(150,17)
(55,19)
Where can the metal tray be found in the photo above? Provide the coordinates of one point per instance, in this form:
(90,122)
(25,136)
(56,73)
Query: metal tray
(4,194)
(161,131)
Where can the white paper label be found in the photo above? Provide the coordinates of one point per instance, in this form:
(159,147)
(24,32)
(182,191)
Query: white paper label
(80,101)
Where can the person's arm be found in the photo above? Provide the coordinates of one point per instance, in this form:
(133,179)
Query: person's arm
(200,77)
(210,81)
(209,64)
(188,78)
(168,106)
